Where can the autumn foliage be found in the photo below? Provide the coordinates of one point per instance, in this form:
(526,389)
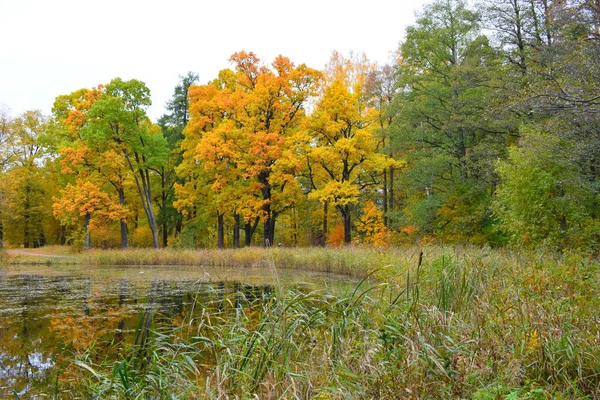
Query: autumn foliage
(371,228)
(460,137)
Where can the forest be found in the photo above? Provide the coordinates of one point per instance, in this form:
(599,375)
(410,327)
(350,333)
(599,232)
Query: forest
(484,128)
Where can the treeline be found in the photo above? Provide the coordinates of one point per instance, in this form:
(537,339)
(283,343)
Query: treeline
(468,135)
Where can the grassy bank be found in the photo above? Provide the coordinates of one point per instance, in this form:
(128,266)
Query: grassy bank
(468,323)
(353,261)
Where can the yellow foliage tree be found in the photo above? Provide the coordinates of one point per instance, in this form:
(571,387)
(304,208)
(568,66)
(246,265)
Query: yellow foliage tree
(371,227)
(343,149)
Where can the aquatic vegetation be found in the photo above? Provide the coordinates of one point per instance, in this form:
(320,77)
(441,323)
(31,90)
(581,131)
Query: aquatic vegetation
(452,324)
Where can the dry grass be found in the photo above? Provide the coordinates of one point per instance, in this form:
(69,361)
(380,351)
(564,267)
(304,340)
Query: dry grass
(467,323)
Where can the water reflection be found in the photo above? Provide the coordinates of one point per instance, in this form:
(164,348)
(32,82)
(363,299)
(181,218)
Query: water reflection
(48,319)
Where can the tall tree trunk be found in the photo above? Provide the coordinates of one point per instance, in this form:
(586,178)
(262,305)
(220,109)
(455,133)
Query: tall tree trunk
(86,226)
(124,243)
(178,224)
(26,217)
(269,224)
(391,189)
(220,231)
(385,198)
(236,231)
(165,235)
(325,216)
(269,231)
(2,235)
(149,209)
(295,233)
(347,224)
(142,181)
(249,231)
(248,234)
(163,210)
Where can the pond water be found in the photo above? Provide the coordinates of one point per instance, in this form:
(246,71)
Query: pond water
(48,315)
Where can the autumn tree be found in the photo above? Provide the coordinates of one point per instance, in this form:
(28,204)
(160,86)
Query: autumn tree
(343,145)
(86,201)
(207,187)
(250,131)
(118,120)
(371,227)
(93,162)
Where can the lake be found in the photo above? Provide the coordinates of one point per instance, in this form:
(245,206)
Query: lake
(52,315)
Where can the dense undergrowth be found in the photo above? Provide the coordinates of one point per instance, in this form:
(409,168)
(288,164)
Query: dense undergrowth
(475,323)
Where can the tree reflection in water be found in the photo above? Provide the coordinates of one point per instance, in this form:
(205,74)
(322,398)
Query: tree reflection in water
(46,322)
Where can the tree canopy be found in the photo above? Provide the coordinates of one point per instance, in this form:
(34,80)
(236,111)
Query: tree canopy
(467,135)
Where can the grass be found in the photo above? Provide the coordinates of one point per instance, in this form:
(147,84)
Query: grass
(352,261)
(460,323)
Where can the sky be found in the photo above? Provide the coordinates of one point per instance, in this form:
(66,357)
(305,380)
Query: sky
(49,48)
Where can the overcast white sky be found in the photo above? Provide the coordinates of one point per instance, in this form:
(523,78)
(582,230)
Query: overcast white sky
(49,48)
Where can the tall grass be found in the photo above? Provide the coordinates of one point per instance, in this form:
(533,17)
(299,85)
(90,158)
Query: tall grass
(354,261)
(460,324)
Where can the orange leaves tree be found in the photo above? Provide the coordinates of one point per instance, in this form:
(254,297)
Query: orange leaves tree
(96,163)
(86,201)
(244,131)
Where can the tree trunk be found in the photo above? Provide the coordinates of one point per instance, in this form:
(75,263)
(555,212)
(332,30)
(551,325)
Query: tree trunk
(142,181)
(236,231)
(391,189)
(347,224)
(295,233)
(178,224)
(165,234)
(26,218)
(269,223)
(325,216)
(385,198)
(249,231)
(163,210)
(1,235)
(124,243)
(220,231)
(269,231)
(146,195)
(87,238)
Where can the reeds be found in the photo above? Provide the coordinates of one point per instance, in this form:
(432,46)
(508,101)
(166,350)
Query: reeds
(460,324)
(352,261)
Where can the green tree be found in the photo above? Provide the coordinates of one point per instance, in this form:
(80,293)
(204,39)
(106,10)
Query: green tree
(542,198)
(380,89)
(119,119)
(448,75)
(172,124)
(26,215)
(93,162)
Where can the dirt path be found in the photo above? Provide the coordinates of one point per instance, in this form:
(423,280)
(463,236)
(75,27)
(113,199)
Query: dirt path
(34,253)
